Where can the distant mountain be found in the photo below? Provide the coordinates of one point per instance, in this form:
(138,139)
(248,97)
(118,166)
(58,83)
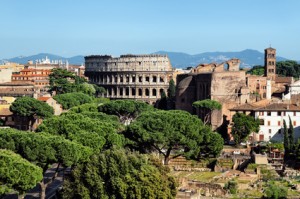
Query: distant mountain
(78,60)
(249,58)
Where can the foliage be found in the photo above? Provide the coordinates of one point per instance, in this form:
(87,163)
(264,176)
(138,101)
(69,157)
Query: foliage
(291,135)
(86,88)
(126,110)
(69,100)
(288,139)
(17,173)
(101,100)
(167,132)
(120,174)
(257,70)
(88,107)
(252,166)
(92,129)
(43,148)
(171,89)
(29,107)
(60,81)
(99,90)
(209,106)
(275,191)
(243,126)
(212,144)
(287,68)
(231,186)
(63,81)
(276,145)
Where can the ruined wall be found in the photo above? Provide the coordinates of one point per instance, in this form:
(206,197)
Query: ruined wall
(225,88)
(185,92)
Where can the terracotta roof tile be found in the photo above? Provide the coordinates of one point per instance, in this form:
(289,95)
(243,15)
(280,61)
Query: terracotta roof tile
(44,99)
(244,107)
(288,80)
(279,107)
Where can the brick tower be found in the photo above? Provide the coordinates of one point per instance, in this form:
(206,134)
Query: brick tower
(270,63)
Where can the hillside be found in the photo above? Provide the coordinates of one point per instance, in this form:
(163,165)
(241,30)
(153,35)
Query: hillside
(249,58)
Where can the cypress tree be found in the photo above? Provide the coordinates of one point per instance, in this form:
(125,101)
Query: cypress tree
(291,136)
(286,141)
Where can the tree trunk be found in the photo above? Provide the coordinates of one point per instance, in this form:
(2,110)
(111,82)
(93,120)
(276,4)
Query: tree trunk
(43,190)
(167,156)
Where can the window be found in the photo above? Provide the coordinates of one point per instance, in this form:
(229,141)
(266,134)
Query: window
(269,123)
(294,123)
(284,113)
(261,122)
(270,131)
(294,113)
(279,124)
(261,113)
(279,113)
(268,113)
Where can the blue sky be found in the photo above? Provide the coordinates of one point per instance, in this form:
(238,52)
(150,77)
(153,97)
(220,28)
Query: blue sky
(84,27)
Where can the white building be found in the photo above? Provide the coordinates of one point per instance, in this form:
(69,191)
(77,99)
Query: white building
(271,118)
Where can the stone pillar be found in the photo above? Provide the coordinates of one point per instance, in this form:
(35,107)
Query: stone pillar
(129,91)
(117,91)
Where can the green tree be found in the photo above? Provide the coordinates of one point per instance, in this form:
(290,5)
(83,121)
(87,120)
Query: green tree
(126,110)
(60,81)
(257,70)
(92,129)
(167,132)
(120,174)
(99,90)
(44,150)
(86,88)
(31,108)
(288,68)
(207,106)
(286,141)
(69,100)
(291,135)
(231,186)
(212,144)
(243,125)
(17,173)
(171,89)
(275,191)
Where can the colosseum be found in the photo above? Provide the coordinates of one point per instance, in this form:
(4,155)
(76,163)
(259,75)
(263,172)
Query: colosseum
(142,77)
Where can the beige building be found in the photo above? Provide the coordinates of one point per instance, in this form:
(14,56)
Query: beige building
(53,103)
(223,82)
(141,77)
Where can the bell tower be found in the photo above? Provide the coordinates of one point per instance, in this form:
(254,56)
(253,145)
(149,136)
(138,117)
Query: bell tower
(270,63)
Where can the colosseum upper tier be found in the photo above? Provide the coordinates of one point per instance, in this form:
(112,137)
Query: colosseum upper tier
(142,77)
